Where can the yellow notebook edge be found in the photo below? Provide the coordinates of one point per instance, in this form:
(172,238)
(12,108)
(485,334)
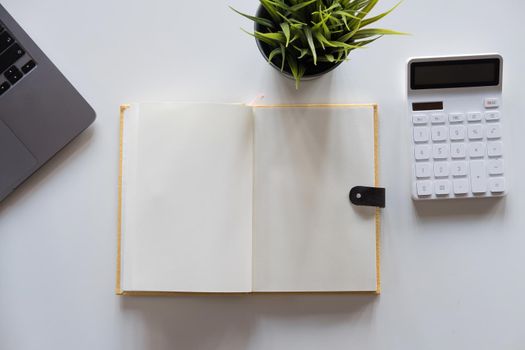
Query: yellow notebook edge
(121,292)
(118,287)
(377,182)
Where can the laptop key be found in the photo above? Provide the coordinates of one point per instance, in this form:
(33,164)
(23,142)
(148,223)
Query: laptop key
(26,68)
(4,87)
(10,56)
(5,41)
(10,71)
(13,75)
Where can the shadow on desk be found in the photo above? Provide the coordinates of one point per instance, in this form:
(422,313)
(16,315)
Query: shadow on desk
(213,322)
(459,208)
(282,90)
(59,161)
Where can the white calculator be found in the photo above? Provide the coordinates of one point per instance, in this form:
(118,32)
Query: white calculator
(456,123)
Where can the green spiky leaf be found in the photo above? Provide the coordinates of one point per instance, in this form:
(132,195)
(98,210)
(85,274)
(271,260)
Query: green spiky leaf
(301,5)
(374,19)
(262,21)
(366,33)
(310,40)
(286,31)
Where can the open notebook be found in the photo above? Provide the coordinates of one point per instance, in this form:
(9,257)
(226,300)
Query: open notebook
(230,198)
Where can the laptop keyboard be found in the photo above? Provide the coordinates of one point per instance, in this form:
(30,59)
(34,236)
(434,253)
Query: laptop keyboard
(15,63)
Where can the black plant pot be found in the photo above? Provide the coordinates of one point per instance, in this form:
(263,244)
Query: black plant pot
(311,72)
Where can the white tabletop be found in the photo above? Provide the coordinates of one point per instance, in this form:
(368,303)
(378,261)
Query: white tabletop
(452,272)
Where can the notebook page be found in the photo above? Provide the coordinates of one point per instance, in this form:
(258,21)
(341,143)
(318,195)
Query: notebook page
(187,198)
(307,235)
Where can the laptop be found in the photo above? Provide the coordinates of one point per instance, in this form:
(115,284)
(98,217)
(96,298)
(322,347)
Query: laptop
(40,111)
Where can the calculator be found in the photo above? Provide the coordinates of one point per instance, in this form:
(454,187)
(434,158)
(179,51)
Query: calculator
(456,127)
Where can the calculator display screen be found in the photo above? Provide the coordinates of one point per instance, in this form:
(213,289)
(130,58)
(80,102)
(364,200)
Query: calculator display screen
(455,74)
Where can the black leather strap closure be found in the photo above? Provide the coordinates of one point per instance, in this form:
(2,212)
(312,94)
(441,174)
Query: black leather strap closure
(368,196)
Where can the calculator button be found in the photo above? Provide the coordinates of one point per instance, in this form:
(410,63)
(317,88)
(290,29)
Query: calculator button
(423,170)
(439,133)
(442,187)
(495,167)
(420,119)
(458,150)
(438,118)
(497,185)
(424,188)
(422,152)
(458,168)
(457,132)
(491,103)
(456,117)
(478,178)
(440,151)
(491,116)
(474,116)
(494,149)
(493,131)
(476,150)
(475,132)
(461,186)
(441,169)
(421,134)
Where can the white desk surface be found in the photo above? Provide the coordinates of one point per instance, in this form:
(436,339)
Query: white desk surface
(452,272)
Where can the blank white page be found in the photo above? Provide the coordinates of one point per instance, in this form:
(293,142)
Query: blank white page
(187,198)
(307,234)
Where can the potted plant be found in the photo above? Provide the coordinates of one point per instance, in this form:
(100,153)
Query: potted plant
(304,39)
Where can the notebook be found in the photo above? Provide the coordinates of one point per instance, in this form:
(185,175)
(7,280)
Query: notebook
(231,198)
